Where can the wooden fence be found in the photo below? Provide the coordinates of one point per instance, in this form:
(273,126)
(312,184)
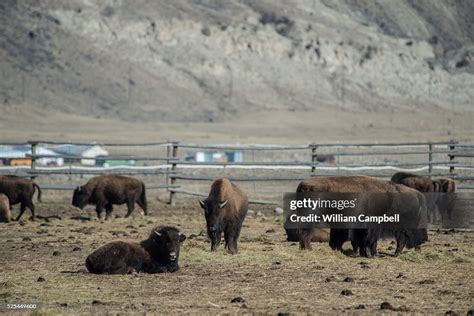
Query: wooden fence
(432,159)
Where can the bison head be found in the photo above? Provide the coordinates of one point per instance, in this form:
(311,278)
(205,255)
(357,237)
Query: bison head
(166,242)
(214,213)
(80,197)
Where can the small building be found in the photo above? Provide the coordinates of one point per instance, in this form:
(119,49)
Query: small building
(215,156)
(21,156)
(76,152)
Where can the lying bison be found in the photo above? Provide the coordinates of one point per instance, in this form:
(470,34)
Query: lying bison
(318,235)
(157,254)
(441,191)
(5,214)
(104,191)
(225,209)
(390,197)
(20,190)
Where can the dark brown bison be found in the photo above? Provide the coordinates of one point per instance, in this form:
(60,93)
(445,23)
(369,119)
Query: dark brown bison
(157,254)
(441,191)
(5,213)
(105,191)
(225,209)
(411,201)
(446,196)
(20,190)
(420,183)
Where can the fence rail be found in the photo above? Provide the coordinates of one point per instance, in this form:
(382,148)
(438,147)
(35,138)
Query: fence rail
(372,159)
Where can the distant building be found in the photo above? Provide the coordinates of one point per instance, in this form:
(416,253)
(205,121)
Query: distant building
(215,156)
(79,151)
(21,155)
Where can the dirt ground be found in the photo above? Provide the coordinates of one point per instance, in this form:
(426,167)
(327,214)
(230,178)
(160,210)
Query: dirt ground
(269,274)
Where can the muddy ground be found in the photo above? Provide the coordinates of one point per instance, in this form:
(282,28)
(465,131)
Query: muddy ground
(269,274)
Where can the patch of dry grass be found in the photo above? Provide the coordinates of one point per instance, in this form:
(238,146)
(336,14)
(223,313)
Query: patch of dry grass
(270,274)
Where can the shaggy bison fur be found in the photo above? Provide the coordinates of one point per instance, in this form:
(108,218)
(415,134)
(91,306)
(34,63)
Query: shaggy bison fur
(441,191)
(20,190)
(225,209)
(157,254)
(5,213)
(105,191)
(412,202)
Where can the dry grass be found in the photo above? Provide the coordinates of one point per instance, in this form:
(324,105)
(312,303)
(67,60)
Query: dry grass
(270,274)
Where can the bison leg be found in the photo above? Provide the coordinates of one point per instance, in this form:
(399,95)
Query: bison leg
(22,210)
(23,207)
(119,267)
(337,237)
(144,208)
(98,209)
(108,211)
(373,248)
(373,237)
(355,247)
(305,238)
(359,241)
(231,235)
(401,241)
(130,207)
(31,206)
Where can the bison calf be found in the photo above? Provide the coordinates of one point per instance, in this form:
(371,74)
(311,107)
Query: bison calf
(104,191)
(5,214)
(157,254)
(20,190)
(225,209)
(318,235)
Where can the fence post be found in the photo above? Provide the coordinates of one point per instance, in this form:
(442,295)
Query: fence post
(168,155)
(313,157)
(34,145)
(174,155)
(430,159)
(451,155)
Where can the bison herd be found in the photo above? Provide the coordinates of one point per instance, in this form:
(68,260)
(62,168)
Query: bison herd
(225,209)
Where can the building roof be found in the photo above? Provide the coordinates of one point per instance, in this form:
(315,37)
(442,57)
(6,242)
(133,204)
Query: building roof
(80,150)
(11,152)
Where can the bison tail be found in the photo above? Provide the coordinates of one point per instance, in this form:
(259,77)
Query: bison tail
(143,198)
(39,191)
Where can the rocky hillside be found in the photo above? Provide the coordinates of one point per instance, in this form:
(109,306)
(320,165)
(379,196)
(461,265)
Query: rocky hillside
(210,60)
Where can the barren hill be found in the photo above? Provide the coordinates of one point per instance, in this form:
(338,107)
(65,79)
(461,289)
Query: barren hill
(212,60)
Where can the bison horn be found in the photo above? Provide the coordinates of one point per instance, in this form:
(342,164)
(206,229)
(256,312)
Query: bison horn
(158,234)
(223,204)
(203,204)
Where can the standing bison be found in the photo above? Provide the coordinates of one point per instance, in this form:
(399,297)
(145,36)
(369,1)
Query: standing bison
(105,191)
(20,190)
(225,209)
(390,197)
(157,254)
(441,191)
(5,214)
